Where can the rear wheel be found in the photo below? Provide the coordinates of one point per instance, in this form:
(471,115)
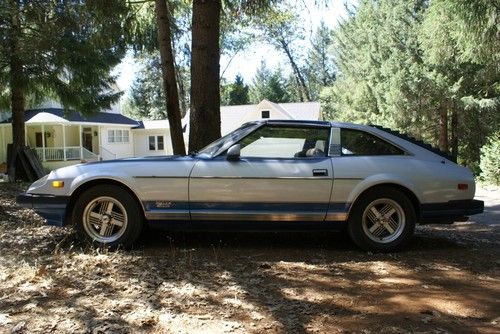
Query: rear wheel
(382,220)
(107,215)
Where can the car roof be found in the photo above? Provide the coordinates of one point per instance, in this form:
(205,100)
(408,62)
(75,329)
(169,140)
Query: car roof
(309,122)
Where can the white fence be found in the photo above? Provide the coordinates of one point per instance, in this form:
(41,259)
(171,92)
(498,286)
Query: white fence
(65,153)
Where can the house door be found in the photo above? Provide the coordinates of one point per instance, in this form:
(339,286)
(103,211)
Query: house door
(87,140)
(38,139)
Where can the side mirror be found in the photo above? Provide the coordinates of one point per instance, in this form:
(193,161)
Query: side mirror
(233,154)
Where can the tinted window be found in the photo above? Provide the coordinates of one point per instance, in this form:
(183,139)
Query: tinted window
(285,142)
(356,142)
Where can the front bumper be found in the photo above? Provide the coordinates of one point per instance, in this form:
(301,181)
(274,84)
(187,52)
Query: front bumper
(50,207)
(449,212)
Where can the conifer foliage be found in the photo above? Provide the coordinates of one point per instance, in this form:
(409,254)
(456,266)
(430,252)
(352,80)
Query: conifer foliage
(427,68)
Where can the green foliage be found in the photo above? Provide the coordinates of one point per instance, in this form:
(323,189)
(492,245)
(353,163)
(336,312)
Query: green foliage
(269,85)
(147,98)
(381,77)
(320,70)
(464,29)
(238,92)
(401,62)
(66,50)
(282,28)
(490,160)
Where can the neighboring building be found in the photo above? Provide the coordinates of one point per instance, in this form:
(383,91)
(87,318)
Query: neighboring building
(61,140)
(64,139)
(152,138)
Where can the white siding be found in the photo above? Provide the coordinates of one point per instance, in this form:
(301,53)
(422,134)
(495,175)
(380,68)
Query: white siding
(121,150)
(141,142)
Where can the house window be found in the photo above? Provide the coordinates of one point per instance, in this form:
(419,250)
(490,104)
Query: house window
(118,136)
(156,143)
(265,113)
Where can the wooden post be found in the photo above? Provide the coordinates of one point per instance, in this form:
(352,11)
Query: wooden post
(64,140)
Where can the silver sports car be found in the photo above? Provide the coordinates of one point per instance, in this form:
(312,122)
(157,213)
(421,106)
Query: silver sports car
(267,174)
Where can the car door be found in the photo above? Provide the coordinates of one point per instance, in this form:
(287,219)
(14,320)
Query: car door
(283,173)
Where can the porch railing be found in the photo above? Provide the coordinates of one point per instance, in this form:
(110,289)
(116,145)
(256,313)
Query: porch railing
(65,153)
(106,154)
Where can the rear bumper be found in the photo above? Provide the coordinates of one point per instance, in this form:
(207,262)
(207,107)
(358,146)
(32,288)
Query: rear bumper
(52,208)
(449,212)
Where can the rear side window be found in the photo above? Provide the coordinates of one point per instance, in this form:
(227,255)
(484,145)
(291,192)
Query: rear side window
(355,142)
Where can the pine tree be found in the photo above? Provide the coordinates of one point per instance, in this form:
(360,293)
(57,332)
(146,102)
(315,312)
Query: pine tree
(269,85)
(239,92)
(408,66)
(320,69)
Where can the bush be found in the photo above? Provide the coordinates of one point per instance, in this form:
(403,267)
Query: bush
(490,160)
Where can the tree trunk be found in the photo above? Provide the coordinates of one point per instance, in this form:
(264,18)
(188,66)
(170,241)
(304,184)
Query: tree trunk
(168,76)
(17,98)
(443,127)
(205,68)
(296,70)
(454,133)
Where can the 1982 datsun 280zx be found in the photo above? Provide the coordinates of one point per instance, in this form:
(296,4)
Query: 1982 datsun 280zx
(269,173)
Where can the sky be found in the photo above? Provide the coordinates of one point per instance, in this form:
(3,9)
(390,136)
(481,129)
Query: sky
(247,62)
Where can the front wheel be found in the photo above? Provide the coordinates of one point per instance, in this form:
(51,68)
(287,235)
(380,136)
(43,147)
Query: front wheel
(382,220)
(107,215)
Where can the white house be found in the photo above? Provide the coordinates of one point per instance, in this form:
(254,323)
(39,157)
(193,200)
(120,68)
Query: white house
(63,139)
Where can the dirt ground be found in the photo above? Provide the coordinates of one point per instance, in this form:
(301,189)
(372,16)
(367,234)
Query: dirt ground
(446,281)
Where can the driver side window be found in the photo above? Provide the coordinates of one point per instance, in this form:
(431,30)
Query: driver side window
(285,142)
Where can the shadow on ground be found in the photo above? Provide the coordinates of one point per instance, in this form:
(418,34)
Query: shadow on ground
(446,280)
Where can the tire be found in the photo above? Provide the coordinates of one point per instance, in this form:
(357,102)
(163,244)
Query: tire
(382,220)
(107,215)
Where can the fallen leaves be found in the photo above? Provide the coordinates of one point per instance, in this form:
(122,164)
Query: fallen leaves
(446,281)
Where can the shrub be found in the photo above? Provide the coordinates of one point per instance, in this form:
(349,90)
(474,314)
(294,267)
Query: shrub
(490,160)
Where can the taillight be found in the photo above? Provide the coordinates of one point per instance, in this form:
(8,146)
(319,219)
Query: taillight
(462,186)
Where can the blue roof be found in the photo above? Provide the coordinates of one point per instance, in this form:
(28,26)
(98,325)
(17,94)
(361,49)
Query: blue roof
(73,116)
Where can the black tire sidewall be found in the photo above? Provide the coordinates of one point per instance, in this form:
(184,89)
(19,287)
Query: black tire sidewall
(134,216)
(355,227)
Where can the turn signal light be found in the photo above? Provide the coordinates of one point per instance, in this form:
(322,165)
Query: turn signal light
(58,184)
(462,186)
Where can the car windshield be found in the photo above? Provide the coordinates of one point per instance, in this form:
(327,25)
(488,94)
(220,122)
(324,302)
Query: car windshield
(223,143)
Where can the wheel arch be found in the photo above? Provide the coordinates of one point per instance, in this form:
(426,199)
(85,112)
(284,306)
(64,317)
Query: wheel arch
(92,183)
(405,190)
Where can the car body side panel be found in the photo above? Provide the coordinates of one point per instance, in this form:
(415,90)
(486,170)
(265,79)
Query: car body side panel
(260,189)
(430,182)
(160,185)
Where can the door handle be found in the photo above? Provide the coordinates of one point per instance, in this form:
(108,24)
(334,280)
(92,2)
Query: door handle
(320,172)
